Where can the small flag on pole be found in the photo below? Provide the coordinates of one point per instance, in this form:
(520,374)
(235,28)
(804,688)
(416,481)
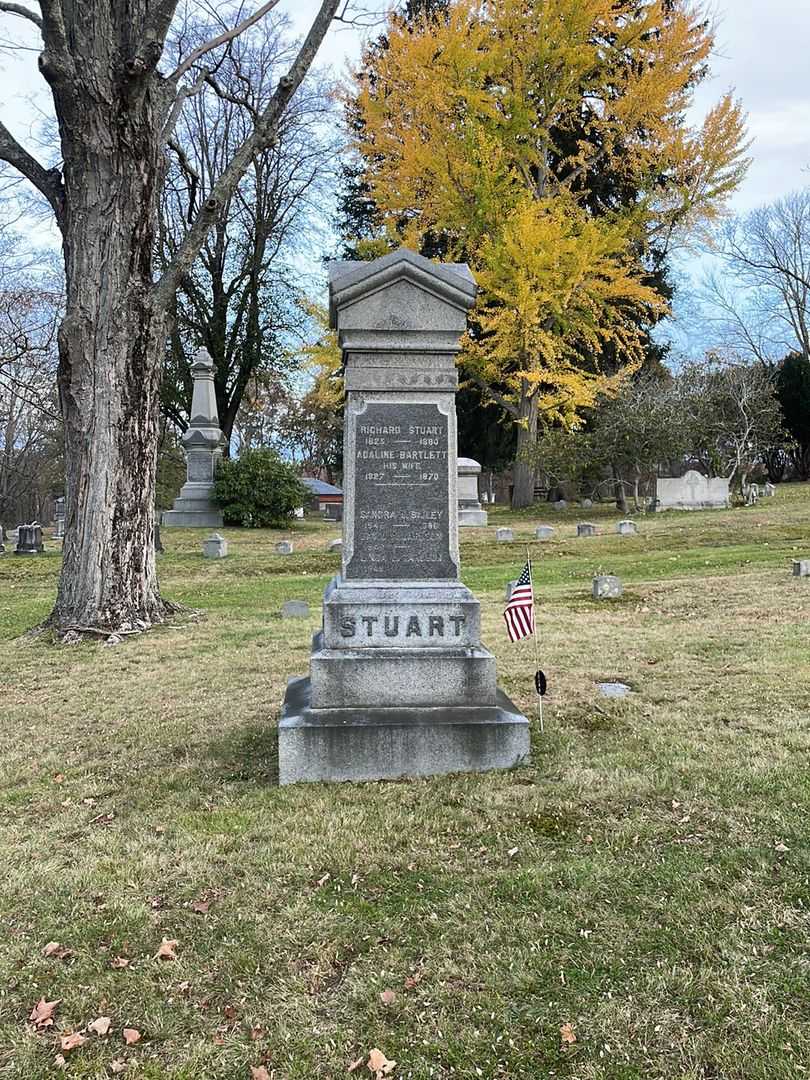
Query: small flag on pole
(519,614)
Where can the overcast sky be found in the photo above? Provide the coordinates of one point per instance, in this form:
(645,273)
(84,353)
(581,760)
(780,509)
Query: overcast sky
(762,54)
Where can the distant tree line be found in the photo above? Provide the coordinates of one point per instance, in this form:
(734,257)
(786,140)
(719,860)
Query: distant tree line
(720,416)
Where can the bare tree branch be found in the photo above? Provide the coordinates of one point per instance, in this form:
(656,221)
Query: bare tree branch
(192,175)
(183,94)
(262,136)
(23,12)
(222,39)
(363,20)
(48,181)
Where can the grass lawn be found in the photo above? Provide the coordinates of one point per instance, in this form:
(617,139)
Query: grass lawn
(635,904)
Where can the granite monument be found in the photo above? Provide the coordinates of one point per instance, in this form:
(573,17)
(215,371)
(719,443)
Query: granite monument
(203,442)
(399,683)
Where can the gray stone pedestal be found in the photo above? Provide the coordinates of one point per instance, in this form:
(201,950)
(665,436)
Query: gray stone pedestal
(399,683)
(387,743)
(203,442)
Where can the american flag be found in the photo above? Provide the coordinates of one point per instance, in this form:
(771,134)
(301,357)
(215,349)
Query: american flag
(519,614)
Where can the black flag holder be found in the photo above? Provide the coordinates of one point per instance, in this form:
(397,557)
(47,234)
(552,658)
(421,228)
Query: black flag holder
(540,683)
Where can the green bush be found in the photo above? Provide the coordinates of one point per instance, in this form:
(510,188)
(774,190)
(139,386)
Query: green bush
(258,490)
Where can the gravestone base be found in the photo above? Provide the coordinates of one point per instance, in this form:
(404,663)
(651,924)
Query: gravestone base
(388,743)
(193,510)
(472,519)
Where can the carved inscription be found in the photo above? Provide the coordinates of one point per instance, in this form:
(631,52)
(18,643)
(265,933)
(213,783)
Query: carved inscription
(401,513)
(200,467)
(426,626)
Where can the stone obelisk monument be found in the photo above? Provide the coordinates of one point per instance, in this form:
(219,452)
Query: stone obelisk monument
(203,442)
(399,682)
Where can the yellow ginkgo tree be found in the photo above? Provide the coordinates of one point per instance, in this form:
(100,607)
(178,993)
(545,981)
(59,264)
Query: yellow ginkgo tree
(546,143)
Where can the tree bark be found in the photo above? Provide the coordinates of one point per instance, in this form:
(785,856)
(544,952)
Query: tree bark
(524,470)
(111,344)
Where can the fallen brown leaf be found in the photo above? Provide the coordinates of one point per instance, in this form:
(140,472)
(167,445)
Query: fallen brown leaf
(55,948)
(379,1064)
(258,1072)
(387,997)
(101,1025)
(70,1042)
(167,950)
(120,962)
(131,1036)
(201,907)
(42,1013)
(117,1065)
(567,1035)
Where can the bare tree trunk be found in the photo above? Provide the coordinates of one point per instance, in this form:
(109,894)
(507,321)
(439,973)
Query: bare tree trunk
(111,344)
(524,471)
(621,494)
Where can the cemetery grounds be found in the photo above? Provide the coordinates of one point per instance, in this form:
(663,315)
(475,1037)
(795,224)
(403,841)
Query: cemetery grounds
(635,904)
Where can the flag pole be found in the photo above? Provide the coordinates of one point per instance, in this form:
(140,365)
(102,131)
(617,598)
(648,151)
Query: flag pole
(534,636)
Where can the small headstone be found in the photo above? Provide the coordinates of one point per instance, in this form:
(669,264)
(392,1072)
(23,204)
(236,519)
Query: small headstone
(752,495)
(586,504)
(335,545)
(613,689)
(544,532)
(29,540)
(560,504)
(504,536)
(769,490)
(59,518)
(2,538)
(284,547)
(509,587)
(801,567)
(470,513)
(215,547)
(585,528)
(626,528)
(158,542)
(606,587)
(295,609)
(113,639)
